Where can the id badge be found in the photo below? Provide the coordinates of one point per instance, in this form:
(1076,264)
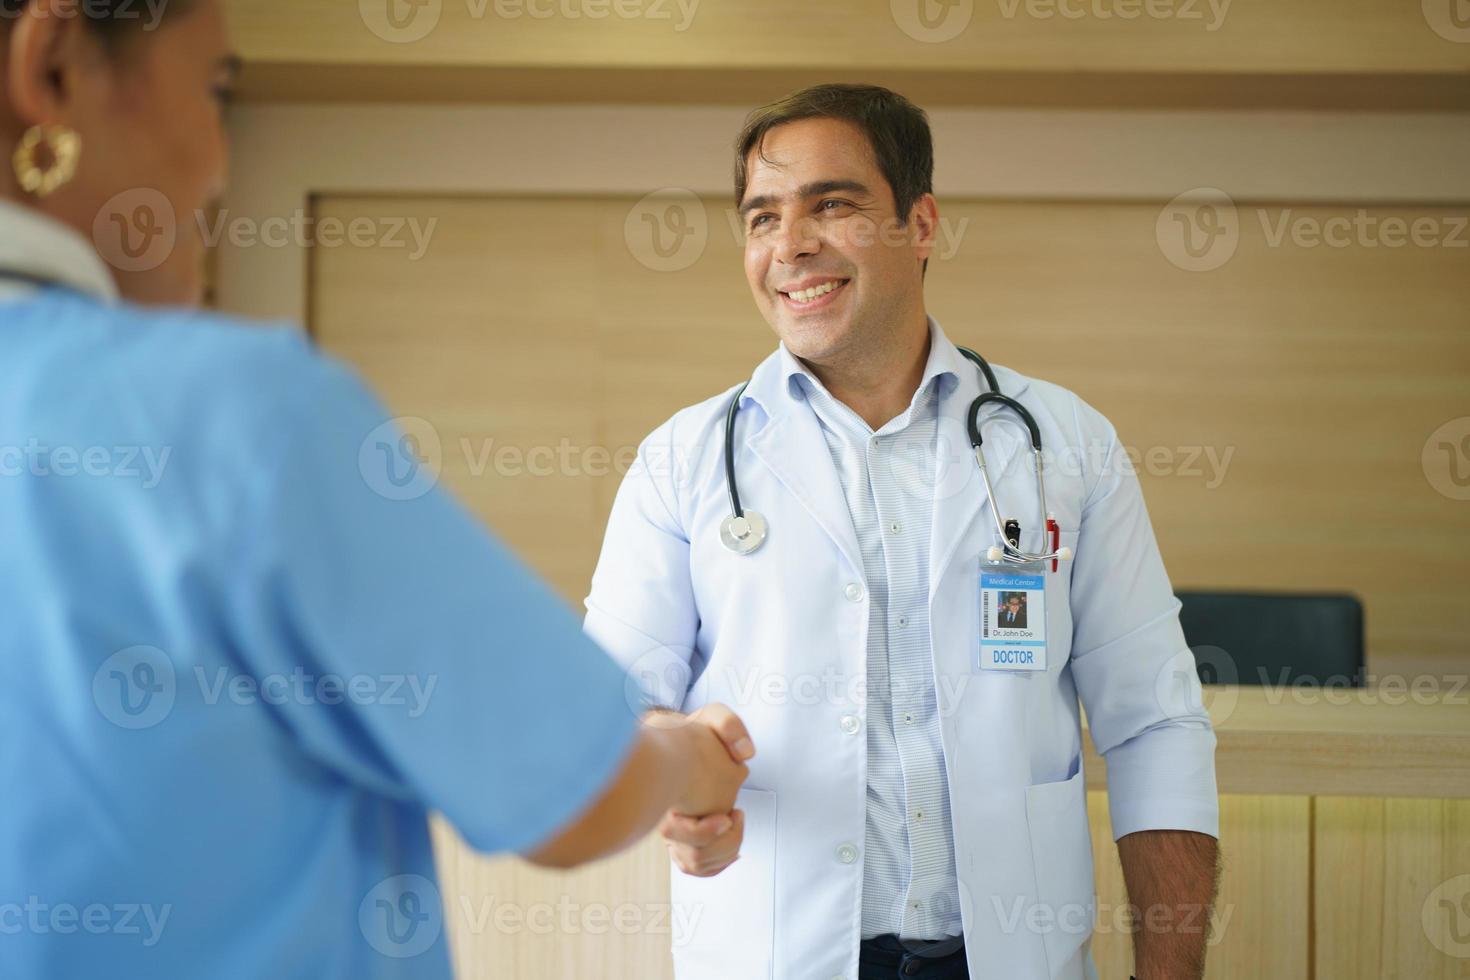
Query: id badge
(1012,617)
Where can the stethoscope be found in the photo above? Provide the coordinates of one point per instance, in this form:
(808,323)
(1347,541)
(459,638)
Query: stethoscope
(745,530)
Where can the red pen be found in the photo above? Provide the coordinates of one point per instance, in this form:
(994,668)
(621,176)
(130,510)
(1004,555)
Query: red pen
(1056,537)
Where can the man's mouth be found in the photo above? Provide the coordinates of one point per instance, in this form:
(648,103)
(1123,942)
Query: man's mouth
(812,293)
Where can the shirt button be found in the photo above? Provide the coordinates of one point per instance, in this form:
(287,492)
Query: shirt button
(918,816)
(851,724)
(854,592)
(894,527)
(908,718)
(903,621)
(847,854)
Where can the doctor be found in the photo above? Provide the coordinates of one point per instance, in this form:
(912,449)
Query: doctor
(916,810)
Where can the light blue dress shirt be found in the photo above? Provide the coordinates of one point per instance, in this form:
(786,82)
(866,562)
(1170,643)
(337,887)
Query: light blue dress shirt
(909,883)
(246,647)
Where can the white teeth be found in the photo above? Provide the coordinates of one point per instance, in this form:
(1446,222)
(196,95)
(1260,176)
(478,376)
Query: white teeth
(807,295)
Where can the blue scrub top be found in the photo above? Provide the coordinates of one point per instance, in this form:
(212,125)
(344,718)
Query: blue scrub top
(244,648)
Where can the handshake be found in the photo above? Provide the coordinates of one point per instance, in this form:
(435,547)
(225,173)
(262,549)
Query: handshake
(703,830)
(681,776)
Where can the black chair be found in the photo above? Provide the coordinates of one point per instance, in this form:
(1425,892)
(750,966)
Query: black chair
(1274,638)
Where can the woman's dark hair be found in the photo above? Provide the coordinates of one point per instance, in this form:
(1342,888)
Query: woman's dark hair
(897,129)
(109,20)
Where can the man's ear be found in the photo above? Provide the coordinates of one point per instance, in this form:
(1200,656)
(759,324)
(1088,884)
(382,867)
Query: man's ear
(924,226)
(43,55)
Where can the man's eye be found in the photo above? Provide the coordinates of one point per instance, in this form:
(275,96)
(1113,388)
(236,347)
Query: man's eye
(759,220)
(831,205)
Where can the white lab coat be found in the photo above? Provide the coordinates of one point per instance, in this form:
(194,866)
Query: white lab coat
(779,636)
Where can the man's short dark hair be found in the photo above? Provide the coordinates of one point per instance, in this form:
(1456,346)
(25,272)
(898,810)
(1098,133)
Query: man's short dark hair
(897,130)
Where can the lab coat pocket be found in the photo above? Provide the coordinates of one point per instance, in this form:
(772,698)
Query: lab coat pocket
(724,927)
(1061,850)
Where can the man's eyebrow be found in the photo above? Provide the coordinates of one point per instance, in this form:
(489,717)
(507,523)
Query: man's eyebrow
(814,189)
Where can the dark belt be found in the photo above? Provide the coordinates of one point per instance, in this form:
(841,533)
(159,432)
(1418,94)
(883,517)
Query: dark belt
(914,958)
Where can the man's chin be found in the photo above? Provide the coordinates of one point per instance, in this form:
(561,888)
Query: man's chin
(812,340)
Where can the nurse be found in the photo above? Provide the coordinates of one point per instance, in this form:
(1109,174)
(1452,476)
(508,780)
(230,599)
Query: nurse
(235,672)
(918,808)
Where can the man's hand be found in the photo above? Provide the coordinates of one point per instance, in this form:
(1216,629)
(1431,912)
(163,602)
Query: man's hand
(705,845)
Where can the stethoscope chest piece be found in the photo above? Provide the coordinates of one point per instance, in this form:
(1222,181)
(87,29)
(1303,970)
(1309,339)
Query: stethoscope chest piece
(743,534)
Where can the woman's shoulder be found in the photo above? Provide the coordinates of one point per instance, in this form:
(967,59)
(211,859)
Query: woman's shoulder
(201,368)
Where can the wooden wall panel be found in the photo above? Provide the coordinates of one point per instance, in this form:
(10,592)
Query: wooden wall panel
(1185,36)
(609,921)
(1392,881)
(504,395)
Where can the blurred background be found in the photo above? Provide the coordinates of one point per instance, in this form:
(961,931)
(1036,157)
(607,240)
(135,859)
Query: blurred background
(1239,229)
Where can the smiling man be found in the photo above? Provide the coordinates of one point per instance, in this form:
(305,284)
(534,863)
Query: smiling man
(918,808)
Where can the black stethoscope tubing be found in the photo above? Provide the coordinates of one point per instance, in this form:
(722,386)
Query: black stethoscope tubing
(972,421)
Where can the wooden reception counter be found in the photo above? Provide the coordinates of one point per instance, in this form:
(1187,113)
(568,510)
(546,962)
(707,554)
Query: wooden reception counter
(1345,836)
(1389,741)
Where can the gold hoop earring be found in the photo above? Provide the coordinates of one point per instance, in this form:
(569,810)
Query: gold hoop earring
(46,159)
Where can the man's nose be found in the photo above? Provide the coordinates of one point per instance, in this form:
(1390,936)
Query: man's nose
(797,240)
